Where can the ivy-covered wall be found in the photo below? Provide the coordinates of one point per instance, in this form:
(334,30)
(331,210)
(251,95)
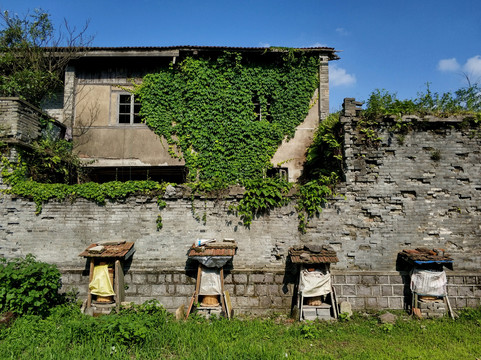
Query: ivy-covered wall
(224,113)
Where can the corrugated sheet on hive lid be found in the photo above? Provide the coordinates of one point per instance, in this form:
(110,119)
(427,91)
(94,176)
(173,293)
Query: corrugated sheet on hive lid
(424,255)
(313,254)
(109,249)
(213,249)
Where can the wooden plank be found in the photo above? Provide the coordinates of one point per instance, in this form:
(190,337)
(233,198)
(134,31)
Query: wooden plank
(228,304)
(222,290)
(191,304)
(119,283)
(334,301)
(301,298)
(450,309)
(197,284)
(91,275)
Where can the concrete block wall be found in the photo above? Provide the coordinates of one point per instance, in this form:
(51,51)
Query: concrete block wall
(259,292)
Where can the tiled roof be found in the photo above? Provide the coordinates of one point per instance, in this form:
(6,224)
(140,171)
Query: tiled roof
(425,255)
(120,249)
(213,249)
(312,254)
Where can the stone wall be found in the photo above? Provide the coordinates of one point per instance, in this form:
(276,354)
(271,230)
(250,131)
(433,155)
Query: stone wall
(420,188)
(19,120)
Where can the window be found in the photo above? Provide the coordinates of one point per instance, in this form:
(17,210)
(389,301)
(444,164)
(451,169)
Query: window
(129,107)
(261,112)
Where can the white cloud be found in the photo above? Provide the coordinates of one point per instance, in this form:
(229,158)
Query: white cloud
(473,66)
(339,77)
(448,65)
(318,44)
(266,45)
(341,31)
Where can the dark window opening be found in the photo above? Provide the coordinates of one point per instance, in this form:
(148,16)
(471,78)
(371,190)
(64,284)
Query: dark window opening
(280,172)
(129,108)
(174,174)
(262,114)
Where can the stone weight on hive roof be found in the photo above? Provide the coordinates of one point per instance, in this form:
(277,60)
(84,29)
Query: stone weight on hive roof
(313,254)
(213,249)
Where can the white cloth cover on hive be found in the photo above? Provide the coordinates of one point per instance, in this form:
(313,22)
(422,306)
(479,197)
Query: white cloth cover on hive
(210,282)
(213,261)
(315,283)
(428,282)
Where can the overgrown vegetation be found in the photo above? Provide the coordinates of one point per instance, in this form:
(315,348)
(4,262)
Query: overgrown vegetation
(465,101)
(28,286)
(261,196)
(322,170)
(29,68)
(227,116)
(149,332)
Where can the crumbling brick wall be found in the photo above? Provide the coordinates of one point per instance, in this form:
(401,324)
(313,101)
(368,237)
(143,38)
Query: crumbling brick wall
(421,189)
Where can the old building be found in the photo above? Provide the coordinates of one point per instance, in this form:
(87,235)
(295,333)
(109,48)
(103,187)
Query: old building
(111,137)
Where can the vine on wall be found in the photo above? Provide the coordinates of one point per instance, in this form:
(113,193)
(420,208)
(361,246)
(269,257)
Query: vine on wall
(227,116)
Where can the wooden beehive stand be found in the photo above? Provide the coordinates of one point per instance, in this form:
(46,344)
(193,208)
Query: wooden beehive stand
(201,253)
(314,256)
(428,259)
(114,253)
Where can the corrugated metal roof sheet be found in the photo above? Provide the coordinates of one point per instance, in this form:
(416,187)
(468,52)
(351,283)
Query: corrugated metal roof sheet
(331,52)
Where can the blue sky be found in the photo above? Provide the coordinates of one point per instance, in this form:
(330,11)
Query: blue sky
(393,45)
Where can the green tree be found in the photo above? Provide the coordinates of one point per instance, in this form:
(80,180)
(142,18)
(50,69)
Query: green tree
(34,55)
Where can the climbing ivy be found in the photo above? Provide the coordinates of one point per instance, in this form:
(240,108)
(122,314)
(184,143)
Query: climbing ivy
(14,174)
(322,170)
(206,110)
(261,195)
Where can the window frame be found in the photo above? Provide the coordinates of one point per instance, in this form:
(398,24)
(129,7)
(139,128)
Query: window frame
(132,106)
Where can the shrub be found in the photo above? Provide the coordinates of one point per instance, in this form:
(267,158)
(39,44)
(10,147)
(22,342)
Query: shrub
(28,286)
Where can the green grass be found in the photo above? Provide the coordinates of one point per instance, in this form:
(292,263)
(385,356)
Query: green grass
(149,332)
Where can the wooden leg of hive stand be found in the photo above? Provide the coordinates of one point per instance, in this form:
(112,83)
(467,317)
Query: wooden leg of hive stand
(91,275)
(334,302)
(300,297)
(197,284)
(222,291)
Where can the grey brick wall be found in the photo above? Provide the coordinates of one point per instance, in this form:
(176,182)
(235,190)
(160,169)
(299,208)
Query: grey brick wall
(18,120)
(258,292)
(396,195)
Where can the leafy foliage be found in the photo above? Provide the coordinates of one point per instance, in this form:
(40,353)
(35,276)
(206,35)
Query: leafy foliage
(206,109)
(28,286)
(148,332)
(261,196)
(52,161)
(114,190)
(381,103)
(322,170)
(28,68)
(466,100)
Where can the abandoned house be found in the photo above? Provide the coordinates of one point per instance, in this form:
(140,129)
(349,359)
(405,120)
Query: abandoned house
(110,135)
